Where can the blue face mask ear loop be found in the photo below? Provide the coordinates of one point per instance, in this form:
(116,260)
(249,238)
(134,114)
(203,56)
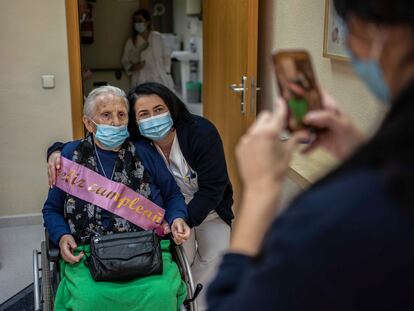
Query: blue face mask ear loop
(94,134)
(377,45)
(96,128)
(376,52)
(370,70)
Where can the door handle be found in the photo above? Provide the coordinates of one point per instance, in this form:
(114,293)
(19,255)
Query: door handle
(241,88)
(235,88)
(252,94)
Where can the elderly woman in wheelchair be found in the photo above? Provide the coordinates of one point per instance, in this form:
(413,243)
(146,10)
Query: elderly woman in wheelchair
(111,258)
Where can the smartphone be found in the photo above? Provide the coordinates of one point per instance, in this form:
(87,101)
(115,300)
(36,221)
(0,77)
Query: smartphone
(297,85)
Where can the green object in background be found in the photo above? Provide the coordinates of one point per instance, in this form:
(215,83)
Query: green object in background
(193,89)
(298,108)
(193,85)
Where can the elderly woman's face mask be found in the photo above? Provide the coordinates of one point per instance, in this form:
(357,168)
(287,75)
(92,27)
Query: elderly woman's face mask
(111,121)
(111,136)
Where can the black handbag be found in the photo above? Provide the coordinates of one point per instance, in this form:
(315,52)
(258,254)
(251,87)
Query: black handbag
(124,256)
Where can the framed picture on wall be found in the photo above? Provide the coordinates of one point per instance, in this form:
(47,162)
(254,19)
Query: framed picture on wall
(334,39)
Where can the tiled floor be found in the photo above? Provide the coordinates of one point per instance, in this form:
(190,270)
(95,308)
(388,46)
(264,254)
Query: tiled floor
(16,249)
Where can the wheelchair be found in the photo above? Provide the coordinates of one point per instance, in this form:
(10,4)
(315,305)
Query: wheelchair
(46,276)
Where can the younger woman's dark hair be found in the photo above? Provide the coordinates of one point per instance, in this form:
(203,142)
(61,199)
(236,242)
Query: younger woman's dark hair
(377,11)
(145,14)
(179,112)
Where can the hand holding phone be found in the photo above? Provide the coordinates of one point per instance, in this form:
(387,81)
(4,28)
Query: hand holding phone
(297,85)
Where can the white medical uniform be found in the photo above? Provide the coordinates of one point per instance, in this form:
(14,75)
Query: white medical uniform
(157,60)
(208,240)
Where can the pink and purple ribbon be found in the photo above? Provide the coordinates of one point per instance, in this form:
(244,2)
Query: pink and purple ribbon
(117,198)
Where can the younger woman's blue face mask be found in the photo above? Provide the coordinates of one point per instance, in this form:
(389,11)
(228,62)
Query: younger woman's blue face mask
(157,127)
(111,136)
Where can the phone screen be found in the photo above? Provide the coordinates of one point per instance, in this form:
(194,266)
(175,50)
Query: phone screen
(297,85)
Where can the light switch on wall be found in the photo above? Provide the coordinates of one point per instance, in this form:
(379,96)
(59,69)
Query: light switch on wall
(48,81)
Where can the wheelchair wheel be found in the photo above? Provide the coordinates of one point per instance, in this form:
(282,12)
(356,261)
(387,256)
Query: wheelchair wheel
(46,289)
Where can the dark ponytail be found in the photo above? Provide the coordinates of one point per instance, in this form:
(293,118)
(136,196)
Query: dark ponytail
(378,11)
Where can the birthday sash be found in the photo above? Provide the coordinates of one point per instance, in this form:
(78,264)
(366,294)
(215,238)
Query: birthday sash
(117,198)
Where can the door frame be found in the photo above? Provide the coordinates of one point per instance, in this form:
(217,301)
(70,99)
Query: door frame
(75,68)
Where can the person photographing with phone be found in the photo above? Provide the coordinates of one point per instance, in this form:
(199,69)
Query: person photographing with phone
(346,243)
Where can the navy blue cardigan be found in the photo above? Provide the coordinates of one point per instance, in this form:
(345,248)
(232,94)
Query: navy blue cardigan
(202,148)
(343,245)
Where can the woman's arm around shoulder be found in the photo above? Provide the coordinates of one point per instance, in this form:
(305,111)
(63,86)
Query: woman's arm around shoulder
(53,214)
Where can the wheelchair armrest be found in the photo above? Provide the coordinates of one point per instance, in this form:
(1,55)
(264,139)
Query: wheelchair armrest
(53,252)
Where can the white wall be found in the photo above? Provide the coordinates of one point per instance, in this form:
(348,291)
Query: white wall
(300,24)
(33,42)
(182,23)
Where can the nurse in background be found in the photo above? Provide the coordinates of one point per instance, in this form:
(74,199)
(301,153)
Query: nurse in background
(145,57)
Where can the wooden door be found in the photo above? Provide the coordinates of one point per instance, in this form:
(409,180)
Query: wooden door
(75,71)
(230,32)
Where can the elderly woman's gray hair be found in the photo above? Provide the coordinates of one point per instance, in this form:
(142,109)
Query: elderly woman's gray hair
(101,93)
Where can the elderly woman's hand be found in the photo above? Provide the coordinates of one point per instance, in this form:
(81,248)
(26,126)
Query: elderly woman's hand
(180,231)
(53,165)
(67,245)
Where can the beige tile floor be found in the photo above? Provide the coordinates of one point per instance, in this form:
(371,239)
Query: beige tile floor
(16,249)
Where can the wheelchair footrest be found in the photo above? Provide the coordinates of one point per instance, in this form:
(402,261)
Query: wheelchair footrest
(197,291)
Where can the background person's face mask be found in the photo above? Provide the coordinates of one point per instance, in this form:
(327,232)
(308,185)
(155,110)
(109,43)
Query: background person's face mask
(157,127)
(111,136)
(140,27)
(370,71)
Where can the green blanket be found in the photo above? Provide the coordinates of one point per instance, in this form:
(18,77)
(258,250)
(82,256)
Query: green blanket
(78,291)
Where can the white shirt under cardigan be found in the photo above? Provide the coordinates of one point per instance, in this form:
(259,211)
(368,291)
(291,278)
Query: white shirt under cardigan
(208,240)
(184,175)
